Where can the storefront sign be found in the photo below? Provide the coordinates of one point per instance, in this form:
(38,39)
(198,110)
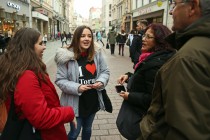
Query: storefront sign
(145,11)
(15,6)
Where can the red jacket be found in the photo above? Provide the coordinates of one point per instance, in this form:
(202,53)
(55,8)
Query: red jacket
(41,106)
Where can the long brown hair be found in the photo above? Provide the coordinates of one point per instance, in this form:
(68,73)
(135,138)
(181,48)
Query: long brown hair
(75,44)
(20,56)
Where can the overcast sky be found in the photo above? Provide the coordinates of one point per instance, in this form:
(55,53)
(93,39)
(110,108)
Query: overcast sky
(82,6)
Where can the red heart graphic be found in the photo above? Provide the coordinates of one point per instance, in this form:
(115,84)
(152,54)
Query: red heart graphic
(91,68)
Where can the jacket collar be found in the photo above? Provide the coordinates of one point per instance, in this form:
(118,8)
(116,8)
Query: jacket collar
(63,55)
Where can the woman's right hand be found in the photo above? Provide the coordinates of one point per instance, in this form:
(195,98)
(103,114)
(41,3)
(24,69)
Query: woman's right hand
(122,79)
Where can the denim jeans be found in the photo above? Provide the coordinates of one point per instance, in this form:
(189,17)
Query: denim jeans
(85,124)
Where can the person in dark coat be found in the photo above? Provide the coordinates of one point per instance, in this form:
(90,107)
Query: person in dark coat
(135,49)
(3,43)
(69,36)
(121,41)
(155,52)
(64,38)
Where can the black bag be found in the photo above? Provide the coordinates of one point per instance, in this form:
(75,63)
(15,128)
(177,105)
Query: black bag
(128,121)
(107,101)
(107,46)
(16,129)
(128,43)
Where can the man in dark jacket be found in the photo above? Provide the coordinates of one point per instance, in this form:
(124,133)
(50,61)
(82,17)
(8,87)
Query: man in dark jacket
(3,43)
(135,49)
(180,107)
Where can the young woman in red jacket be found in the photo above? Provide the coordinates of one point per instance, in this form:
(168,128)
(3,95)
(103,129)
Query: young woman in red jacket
(24,75)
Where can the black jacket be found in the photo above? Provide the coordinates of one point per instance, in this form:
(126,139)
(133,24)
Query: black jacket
(135,49)
(140,84)
(121,38)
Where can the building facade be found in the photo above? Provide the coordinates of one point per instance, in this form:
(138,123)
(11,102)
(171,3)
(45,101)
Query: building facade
(106,16)
(48,16)
(126,13)
(13,15)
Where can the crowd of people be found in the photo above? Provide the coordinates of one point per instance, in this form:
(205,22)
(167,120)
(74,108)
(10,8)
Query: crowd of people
(166,97)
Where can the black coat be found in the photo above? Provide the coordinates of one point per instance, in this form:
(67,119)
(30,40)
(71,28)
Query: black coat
(140,84)
(121,38)
(135,49)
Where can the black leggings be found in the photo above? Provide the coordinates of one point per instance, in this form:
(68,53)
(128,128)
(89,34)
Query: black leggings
(121,46)
(112,48)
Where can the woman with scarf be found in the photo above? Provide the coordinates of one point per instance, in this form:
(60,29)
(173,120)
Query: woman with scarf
(155,52)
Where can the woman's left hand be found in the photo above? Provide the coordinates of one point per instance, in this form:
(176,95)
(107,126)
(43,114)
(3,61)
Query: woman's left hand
(97,85)
(124,95)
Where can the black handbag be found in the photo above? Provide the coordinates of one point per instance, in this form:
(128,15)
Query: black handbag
(128,43)
(16,129)
(107,101)
(107,46)
(128,121)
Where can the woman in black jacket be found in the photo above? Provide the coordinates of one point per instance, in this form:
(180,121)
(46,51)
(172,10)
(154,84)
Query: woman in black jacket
(121,39)
(154,53)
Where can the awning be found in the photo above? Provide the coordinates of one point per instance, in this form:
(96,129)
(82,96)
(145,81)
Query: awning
(36,14)
(149,15)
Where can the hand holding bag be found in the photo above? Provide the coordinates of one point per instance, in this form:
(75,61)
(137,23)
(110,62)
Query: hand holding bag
(107,46)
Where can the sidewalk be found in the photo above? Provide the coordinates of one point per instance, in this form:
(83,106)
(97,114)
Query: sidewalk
(104,125)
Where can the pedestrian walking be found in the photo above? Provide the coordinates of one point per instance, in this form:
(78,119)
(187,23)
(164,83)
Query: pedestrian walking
(130,40)
(122,37)
(44,39)
(82,75)
(180,103)
(112,39)
(99,37)
(26,84)
(64,38)
(69,36)
(137,41)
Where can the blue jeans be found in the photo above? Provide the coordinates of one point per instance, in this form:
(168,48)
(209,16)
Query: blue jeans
(86,124)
